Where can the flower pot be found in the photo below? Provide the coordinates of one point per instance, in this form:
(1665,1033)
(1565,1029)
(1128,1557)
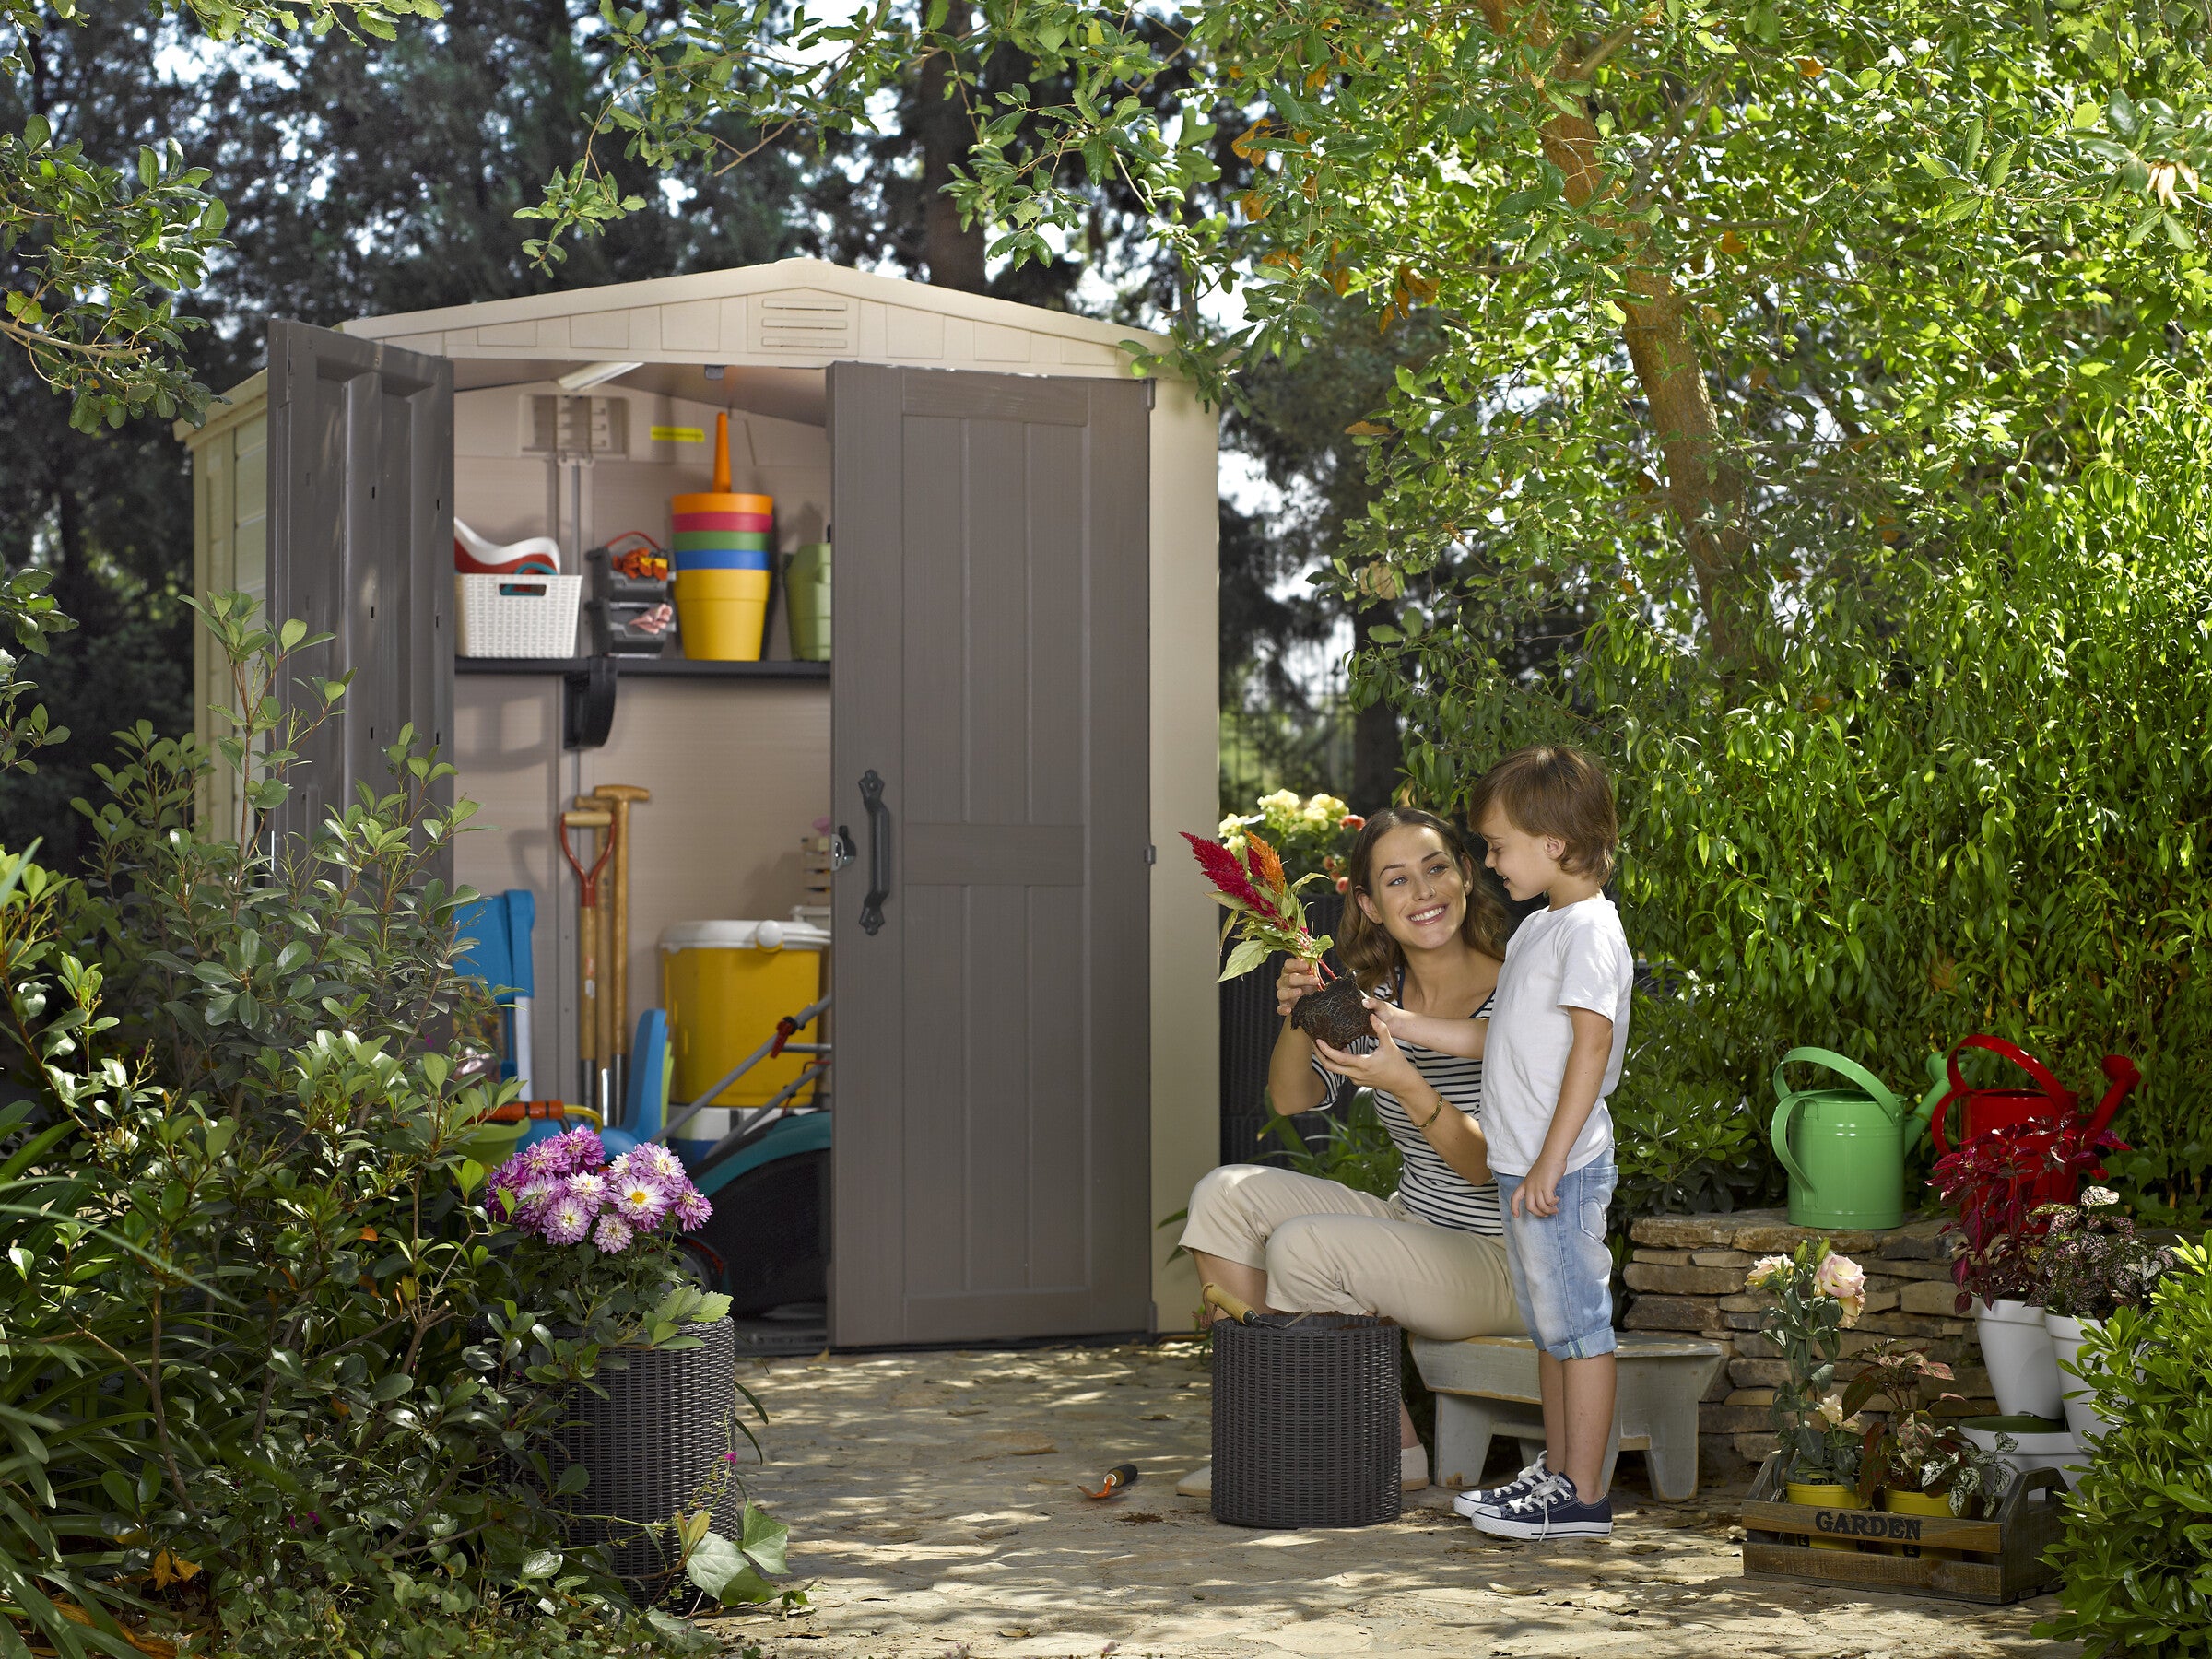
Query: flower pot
(1823,1496)
(2082,1416)
(654,1446)
(1334,1014)
(2037,1442)
(1920,1503)
(2023,1365)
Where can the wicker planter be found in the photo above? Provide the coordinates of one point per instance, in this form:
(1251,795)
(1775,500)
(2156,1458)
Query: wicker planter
(1306,1421)
(655,1447)
(1248,1026)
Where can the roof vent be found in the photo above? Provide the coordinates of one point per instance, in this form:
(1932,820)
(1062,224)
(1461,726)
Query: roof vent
(801,323)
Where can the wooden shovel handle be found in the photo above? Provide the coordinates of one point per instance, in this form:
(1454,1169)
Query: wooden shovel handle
(1240,1311)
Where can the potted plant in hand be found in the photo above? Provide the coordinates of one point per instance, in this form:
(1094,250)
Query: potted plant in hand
(2092,1265)
(1818,1296)
(1266,916)
(1998,1181)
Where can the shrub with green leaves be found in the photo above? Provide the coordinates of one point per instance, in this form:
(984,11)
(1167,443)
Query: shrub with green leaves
(2137,1548)
(271,1368)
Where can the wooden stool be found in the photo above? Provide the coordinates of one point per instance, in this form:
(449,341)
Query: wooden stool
(1487,1386)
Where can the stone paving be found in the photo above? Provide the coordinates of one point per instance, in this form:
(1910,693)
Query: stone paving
(933,1512)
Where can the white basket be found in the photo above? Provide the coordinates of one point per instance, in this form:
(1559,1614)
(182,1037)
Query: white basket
(518,616)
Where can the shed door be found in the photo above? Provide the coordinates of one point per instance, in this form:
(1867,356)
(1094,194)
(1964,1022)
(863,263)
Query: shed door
(361,548)
(990,1175)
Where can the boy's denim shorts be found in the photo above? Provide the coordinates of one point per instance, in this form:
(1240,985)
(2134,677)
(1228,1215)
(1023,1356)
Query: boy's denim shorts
(1561,1270)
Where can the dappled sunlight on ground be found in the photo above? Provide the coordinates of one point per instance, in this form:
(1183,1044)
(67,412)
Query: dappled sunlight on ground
(933,1504)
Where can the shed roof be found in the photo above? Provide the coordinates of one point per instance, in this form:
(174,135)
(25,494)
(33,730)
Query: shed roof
(793,313)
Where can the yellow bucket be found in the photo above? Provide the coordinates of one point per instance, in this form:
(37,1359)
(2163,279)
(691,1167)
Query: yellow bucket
(724,986)
(721,613)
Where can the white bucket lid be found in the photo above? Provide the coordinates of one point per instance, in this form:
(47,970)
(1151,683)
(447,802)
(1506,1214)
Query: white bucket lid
(743,935)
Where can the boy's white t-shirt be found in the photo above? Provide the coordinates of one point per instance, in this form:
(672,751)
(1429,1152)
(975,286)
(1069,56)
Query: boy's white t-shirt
(1576,957)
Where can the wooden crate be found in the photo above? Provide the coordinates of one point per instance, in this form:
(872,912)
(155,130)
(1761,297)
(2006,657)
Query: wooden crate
(2003,1559)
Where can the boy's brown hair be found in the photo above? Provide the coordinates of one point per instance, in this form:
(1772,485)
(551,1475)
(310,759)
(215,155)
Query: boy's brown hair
(1551,789)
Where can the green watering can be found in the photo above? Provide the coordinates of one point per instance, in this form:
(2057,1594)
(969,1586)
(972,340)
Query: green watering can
(1844,1147)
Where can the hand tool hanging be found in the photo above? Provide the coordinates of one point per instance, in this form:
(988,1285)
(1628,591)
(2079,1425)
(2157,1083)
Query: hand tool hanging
(590,949)
(618,799)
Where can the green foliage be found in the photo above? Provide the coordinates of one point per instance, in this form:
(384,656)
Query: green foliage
(1356,1150)
(271,1365)
(28,615)
(2137,1548)
(107,246)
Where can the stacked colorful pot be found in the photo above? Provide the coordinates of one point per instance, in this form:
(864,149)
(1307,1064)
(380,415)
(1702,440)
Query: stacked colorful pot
(719,558)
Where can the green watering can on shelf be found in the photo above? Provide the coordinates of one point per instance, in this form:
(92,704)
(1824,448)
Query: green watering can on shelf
(1844,1147)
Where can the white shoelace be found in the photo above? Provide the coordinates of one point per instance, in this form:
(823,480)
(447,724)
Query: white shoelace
(1552,1490)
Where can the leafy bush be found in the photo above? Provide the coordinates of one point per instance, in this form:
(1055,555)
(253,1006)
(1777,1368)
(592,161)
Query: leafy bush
(271,1368)
(1954,786)
(1355,1149)
(2137,1548)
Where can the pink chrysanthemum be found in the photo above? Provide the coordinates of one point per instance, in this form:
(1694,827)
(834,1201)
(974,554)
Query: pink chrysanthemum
(690,1209)
(577,1149)
(639,1200)
(568,1218)
(589,1186)
(655,1162)
(538,1192)
(536,1158)
(612,1235)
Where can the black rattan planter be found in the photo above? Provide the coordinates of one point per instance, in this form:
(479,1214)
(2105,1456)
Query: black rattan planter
(655,1447)
(1248,1026)
(1306,1421)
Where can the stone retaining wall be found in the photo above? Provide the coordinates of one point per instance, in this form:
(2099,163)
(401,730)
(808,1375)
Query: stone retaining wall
(1686,1273)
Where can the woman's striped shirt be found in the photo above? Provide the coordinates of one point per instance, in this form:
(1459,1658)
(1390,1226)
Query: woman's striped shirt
(1428,1187)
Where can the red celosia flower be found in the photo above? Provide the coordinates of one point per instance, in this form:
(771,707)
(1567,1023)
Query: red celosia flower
(1223,869)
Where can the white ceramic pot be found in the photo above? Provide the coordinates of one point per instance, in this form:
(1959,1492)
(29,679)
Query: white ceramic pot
(2082,1416)
(2023,1364)
(2031,1451)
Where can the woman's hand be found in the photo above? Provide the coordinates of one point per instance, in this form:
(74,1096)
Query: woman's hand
(1387,1068)
(1300,978)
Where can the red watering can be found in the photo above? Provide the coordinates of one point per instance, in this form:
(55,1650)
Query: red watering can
(1982,1109)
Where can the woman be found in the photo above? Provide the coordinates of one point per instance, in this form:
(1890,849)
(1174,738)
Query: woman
(1423,930)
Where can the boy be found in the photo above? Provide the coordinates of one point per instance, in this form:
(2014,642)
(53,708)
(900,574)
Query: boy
(1557,1028)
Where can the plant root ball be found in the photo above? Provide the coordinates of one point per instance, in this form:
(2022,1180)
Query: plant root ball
(1333,1015)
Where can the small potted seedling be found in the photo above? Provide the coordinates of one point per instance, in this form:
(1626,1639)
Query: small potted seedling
(1266,916)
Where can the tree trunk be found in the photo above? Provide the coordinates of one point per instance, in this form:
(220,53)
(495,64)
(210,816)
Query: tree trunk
(1376,754)
(1704,487)
(953,253)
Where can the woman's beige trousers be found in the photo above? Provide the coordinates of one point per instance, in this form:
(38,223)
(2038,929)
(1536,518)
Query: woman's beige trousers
(1326,1249)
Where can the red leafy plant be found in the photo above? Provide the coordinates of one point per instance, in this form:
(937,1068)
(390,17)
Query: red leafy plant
(1264,910)
(2000,1182)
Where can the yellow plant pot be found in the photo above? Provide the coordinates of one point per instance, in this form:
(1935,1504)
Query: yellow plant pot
(1920,1503)
(1825,1496)
(717,624)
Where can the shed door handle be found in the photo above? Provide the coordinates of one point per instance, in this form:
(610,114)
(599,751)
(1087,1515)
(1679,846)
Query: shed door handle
(879,852)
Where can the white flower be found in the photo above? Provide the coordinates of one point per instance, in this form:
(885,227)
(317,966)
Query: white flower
(1766,1270)
(1841,1277)
(2097,1197)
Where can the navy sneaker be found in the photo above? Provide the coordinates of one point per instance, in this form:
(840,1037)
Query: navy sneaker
(1467,1502)
(1551,1509)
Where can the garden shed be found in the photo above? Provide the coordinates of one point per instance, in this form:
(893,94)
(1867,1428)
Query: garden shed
(1025,614)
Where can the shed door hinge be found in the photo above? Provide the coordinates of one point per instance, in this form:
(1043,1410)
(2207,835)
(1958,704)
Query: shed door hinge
(1151,854)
